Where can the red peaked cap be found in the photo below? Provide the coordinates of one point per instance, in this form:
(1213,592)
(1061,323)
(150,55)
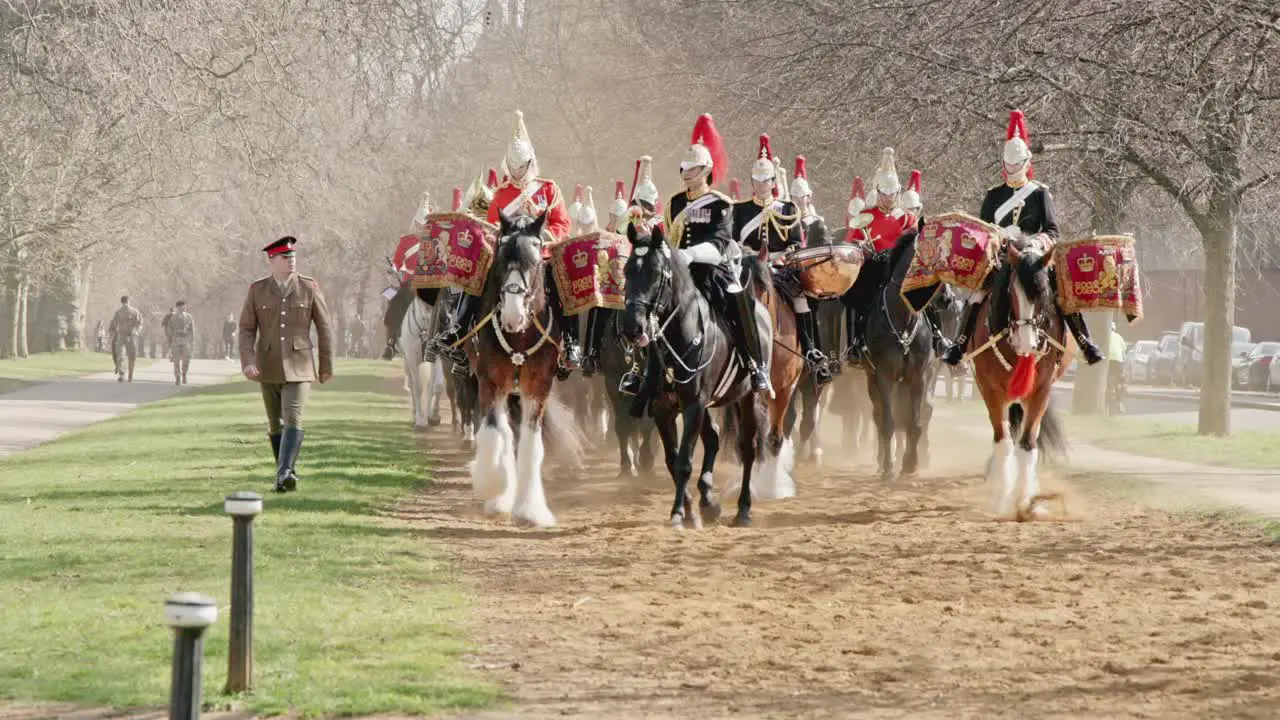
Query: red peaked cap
(281,246)
(735,188)
(457,199)
(705,133)
(802,171)
(619,188)
(857,191)
(1018,129)
(914,182)
(493,178)
(577,192)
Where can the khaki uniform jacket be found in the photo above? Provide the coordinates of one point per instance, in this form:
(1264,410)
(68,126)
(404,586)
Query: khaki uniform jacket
(281,327)
(126,322)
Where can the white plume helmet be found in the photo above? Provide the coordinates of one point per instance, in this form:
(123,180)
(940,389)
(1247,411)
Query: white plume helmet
(424,209)
(586,216)
(619,207)
(478,196)
(576,206)
(780,187)
(519,152)
(910,198)
(645,189)
(886,180)
(1017,149)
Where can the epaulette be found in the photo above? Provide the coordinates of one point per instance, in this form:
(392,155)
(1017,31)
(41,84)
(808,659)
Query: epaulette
(721,195)
(310,280)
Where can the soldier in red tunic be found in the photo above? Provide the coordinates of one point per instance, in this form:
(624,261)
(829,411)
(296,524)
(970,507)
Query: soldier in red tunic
(524,193)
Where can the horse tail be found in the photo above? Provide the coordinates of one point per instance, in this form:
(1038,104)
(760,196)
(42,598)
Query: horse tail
(562,433)
(1052,438)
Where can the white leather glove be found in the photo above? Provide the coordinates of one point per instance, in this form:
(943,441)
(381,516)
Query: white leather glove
(684,255)
(1012,232)
(704,253)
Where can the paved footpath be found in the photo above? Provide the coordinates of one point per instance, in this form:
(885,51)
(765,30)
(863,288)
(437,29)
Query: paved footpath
(37,414)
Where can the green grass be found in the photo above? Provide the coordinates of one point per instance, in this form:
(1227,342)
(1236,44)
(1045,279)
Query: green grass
(357,612)
(17,373)
(1242,449)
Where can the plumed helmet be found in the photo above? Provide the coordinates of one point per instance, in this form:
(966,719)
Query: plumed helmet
(1017,148)
(706,150)
(886,179)
(800,182)
(763,168)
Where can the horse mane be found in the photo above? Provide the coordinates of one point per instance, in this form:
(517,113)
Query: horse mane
(1031,272)
(906,241)
(683,288)
(757,272)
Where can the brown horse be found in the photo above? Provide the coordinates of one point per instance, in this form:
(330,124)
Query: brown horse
(514,351)
(1018,353)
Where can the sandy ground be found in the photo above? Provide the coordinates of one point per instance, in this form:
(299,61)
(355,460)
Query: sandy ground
(862,600)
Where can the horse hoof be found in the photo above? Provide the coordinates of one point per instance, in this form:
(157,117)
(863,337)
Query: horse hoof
(742,520)
(886,476)
(677,521)
(529,517)
(628,473)
(710,512)
(695,521)
(468,443)
(433,422)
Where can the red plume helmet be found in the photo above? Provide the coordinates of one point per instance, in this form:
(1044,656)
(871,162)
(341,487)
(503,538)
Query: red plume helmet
(802,170)
(914,182)
(706,135)
(577,193)
(492,182)
(457,199)
(857,190)
(735,189)
(619,189)
(1017,143)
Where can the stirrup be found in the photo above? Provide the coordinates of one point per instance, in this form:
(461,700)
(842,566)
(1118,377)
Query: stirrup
(461,369)
(630,383)
(590,363)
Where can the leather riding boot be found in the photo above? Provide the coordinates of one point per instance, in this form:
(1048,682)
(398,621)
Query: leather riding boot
(813,357)
(631,380)
(968,323)
(940,342)
(463,316)
(275,446)
(571,354)
(1075,323)
(396,310)
(852,354)
(748,338)
(290,444)
(591,351)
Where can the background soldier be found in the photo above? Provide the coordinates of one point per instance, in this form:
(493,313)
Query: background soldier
(282,362)
(124,337)
(229,336)
(181,333)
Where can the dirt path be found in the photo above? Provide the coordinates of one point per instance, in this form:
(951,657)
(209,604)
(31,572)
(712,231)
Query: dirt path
(857,600)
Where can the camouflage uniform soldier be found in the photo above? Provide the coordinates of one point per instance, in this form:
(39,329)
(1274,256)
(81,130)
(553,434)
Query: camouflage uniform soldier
(182,334)
(283,363)
(124,337)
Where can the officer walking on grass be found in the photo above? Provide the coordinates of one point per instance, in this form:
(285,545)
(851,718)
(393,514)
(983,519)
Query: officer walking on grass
(282,362)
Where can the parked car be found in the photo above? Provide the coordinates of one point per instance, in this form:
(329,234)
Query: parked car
(1138,361)
(1240,364)
(1190,361)
(1164,358)
(1273,375)
(1258,365)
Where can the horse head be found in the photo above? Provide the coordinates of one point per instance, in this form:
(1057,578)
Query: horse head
(648,282)
(519,267)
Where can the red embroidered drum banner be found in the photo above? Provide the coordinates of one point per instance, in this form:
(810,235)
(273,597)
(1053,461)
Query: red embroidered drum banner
(456,251)
(588,271)
(956,249)
(1098,273)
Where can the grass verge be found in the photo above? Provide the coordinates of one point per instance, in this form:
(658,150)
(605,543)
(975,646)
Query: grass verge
(1252,449)
(357,612)
(17,373)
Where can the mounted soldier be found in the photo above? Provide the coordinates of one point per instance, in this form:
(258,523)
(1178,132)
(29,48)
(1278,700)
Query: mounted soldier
(405,264)
(699,222)
(814,231)
(1023,209)
(766,220)
(910,200)
(524,193)
(644,199)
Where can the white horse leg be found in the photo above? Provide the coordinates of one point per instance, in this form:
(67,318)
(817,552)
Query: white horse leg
(531,501)
(493,470)
(412,352)
(1001,473)
(435,384)
(1027,460)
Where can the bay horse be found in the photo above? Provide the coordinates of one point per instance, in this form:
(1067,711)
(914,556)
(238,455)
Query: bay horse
(900,362)
(689,347)
(513,351)
(1019,353)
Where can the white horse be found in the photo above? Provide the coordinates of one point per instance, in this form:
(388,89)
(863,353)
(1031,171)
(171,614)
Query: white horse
(419,326)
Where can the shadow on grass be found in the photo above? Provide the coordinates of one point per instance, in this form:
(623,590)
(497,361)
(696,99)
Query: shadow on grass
(359,383)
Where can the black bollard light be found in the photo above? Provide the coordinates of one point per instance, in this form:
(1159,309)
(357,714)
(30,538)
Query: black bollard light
(189,614)
(243,507)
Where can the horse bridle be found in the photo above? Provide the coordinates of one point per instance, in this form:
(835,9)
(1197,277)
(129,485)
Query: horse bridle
(653,308)
(520,289)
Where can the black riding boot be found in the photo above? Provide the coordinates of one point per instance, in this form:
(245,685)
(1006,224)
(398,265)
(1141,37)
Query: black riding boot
(463,315)
(275,446)
(807,325)
(396,310)
(853,354)
(631,379)
(748,337)
(571,357)
(1075,323)
(968,323)
(290,444)
(591,353)
(940,342)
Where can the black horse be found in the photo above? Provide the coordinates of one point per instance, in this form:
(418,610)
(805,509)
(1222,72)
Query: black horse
(900,360)
(691,349)
(634,435)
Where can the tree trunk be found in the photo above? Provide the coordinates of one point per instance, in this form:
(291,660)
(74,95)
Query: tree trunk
(1219,319)
(20,318)
(9,323)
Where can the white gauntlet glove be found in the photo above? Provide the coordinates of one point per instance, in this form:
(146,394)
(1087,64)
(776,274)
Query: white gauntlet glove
(703,253)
